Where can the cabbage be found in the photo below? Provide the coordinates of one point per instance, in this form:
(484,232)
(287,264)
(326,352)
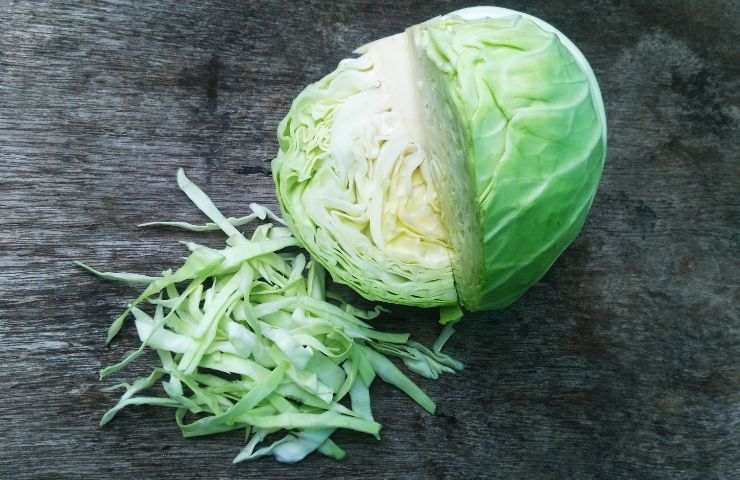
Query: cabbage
(449,164)
(249,339)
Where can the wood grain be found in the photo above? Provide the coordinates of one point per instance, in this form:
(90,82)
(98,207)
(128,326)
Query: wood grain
(623,363)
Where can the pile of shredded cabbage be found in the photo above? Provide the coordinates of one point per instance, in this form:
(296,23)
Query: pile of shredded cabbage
(249,338)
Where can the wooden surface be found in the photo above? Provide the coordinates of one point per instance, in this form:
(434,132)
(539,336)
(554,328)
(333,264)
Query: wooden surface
(623,363)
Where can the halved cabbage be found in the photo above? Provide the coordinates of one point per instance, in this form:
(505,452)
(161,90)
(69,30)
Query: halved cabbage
(452,163)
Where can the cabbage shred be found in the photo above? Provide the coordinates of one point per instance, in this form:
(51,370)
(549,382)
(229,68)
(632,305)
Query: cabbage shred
(249,338)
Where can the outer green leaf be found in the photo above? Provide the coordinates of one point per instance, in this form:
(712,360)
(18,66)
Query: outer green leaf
(527,115)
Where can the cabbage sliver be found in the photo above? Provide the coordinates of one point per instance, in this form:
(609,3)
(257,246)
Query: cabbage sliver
(449,164)
(249,339)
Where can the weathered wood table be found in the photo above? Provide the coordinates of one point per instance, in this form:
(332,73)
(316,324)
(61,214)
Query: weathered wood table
(622,363)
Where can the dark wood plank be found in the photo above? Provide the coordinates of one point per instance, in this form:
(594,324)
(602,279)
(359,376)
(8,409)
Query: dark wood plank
(622,363)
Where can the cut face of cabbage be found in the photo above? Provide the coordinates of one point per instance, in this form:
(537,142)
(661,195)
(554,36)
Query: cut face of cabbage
(451,163)
(357,187)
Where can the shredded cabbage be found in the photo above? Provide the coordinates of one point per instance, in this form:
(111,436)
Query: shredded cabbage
(249,338)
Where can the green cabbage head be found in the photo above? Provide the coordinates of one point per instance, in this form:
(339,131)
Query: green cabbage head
(449,164)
